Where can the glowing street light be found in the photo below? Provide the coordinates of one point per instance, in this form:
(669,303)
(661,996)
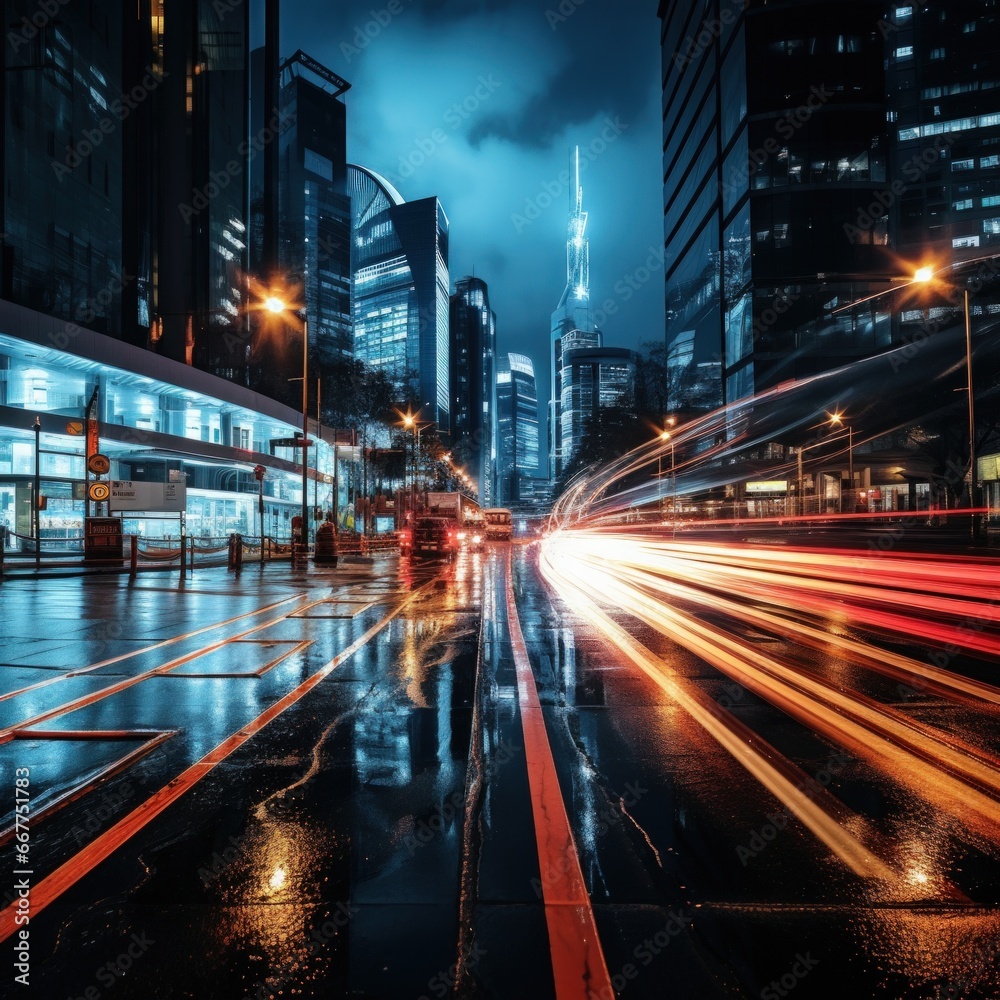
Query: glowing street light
(837,420)
(666,436)
(277,306)
(926,275)
(922,276)
(410,422)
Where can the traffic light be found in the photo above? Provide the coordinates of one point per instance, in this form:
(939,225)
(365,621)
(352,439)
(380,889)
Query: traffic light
(258,473)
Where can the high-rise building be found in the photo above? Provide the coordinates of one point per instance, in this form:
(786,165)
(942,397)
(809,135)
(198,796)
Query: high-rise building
(400,303)
(123,195)
(314,217)
(473,384)
(593,378)
(774,147)
(573,311)
(124,156)
(190,131)
(944,91)
(517,427)
(60,192)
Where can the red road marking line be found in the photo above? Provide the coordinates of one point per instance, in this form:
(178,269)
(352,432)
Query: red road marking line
(578,964)
(161,671)
(146,649)
(101,848)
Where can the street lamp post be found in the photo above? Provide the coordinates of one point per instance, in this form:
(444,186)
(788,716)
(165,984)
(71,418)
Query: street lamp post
(972,415)
(925,275)
(411,423)
(36,499)
(276,305)
(665,435)
(837,420)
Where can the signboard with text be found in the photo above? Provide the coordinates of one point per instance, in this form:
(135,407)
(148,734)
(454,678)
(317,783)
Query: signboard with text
(128,494)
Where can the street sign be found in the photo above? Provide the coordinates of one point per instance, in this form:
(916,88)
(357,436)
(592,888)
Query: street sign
(290,443)
(99,492)
(75,427)
(162,497)
(99,464)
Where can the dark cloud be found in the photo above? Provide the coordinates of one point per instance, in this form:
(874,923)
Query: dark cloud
(602,71)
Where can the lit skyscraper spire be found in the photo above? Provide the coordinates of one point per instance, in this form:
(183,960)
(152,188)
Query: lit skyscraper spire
(577,244)
(572,315)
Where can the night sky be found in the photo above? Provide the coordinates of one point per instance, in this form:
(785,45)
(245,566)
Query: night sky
(530,78)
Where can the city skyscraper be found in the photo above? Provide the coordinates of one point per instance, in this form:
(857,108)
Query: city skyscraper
(943,83)
(400,302)
(191,133)
(473,384)
(573,312)
(60,194)
(517,426)
(774,142)
(314,218)
(122,199)
(593,377)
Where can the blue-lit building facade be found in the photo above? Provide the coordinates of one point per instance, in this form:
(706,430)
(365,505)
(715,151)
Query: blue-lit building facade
(401,289)
(123,269)
(473,333)
(517,429)
(775,141)
(593,377)
(159,420)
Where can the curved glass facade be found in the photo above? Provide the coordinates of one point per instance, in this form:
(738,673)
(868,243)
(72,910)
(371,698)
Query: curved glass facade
(399,262)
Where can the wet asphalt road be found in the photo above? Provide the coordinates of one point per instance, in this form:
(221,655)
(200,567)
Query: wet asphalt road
(318,785)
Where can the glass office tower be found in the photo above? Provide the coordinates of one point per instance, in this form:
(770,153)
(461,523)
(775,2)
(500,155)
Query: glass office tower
(774,145)
(60,172)
(314,225)
(473,382)
(517,423)
(401,299)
